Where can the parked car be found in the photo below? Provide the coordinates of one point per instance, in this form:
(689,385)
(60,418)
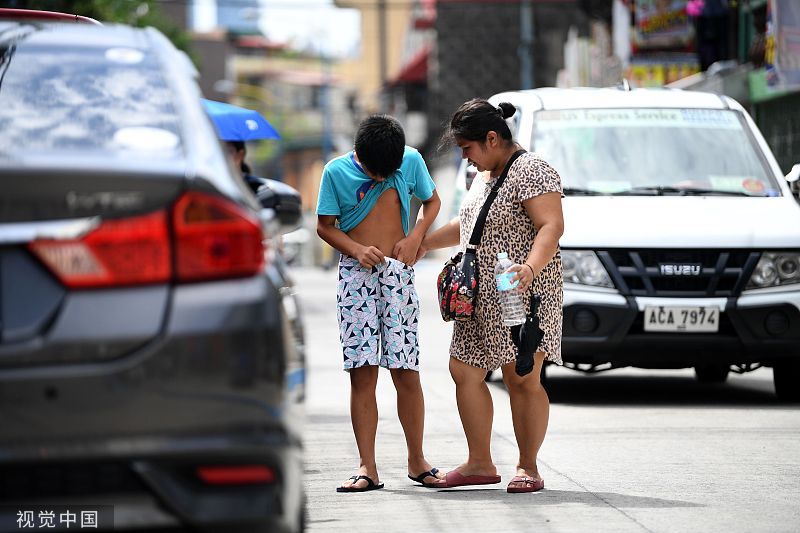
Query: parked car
(269,192)
(151,351)
(681,245)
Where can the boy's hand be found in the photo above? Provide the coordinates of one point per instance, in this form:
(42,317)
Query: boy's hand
(369,256)
(406,250)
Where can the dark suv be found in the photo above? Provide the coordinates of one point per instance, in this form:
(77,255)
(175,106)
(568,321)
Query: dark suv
(150,345)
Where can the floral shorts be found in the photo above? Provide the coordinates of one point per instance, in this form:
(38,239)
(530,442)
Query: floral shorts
(378,313)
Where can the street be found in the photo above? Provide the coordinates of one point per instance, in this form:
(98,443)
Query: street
(627,450)
(176,178)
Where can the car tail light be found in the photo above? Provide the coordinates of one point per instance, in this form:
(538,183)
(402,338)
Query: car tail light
(236,475)
(212,238)
(129,251)
(215,238)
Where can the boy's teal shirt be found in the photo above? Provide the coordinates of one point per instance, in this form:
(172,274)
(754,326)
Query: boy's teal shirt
(348,193)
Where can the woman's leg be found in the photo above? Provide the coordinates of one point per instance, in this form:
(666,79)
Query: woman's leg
(476,411)
(530,411)
(364,416)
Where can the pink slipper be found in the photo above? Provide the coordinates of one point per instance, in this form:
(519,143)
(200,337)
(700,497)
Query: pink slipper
(528,484)
(455,479)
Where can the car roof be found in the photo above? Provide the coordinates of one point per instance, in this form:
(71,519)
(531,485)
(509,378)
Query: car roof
(35,14)
(601,98)
(68,34)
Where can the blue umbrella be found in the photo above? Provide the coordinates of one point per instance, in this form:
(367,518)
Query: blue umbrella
(236,123)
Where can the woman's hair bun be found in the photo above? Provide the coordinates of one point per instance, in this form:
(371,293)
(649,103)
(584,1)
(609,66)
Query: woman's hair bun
(507,109)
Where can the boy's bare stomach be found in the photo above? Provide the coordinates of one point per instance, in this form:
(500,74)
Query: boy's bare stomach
(382,227)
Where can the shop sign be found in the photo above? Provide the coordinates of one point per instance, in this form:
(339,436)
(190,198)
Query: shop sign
(782,56)
(662,24)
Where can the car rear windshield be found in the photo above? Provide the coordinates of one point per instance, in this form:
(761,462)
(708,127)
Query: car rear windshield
(653,151)
(84,101)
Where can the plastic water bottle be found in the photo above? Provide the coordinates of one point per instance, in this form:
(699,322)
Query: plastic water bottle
(510,300)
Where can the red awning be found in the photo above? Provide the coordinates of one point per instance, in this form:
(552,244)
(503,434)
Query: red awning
(256,41)
(426,20)
(415,70)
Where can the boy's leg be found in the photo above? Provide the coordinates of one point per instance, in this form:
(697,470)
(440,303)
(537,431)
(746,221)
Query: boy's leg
(400,354)
(411,411)
(364,415)
(358,330)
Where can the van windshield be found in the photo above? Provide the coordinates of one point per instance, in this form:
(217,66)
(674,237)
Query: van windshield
(653,152)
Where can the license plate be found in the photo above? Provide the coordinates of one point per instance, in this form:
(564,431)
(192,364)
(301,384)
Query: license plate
(681,319)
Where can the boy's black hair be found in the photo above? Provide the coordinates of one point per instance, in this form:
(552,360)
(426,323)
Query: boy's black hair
(379,144)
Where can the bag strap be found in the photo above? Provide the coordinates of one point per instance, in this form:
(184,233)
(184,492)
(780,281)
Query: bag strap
(477,231)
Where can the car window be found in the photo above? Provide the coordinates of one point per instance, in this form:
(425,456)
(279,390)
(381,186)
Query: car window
(56,99)
(606,151)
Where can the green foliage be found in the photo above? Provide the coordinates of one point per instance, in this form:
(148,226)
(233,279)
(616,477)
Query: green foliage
(139,13)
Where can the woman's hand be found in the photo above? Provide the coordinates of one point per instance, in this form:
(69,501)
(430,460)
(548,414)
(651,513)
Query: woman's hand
(421,251)
(523,274)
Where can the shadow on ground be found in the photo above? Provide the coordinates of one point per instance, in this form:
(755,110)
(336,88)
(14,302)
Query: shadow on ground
(610,389)
(557,497)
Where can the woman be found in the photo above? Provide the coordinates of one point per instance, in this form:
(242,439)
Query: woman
(526,221)
(238,152)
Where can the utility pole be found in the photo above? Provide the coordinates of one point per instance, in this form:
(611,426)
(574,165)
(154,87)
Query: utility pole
(325,104)
(525,49)
(382,50)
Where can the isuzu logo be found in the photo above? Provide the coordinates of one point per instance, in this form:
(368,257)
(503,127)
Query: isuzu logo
(680,269)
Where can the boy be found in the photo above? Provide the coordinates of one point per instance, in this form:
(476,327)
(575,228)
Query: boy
(368,191)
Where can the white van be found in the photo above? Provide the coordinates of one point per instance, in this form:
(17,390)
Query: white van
(682,239)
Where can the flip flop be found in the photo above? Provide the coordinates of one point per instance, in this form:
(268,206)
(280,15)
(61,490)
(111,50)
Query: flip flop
(430,473)
(456,479)
(370,485)
(528,484)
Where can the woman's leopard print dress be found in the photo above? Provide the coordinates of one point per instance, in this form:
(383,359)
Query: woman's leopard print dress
(484,341)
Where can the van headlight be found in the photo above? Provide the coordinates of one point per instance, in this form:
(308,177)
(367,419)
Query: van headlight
(583,267)
(775,269)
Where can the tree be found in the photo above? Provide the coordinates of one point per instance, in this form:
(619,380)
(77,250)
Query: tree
(140,13)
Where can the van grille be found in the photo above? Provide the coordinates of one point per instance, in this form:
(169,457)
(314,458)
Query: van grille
(719,273)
